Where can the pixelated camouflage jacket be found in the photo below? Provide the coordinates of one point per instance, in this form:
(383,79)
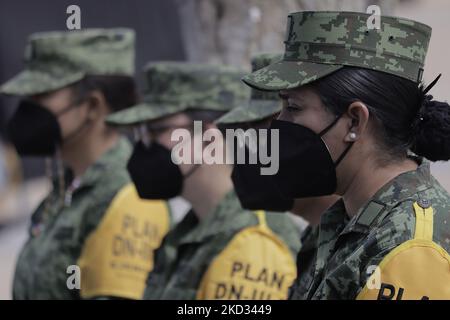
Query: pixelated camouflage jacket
(336,255)
(190,247)
(41,271)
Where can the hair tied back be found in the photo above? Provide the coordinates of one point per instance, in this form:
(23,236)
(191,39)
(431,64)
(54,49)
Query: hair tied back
(432,84)
(431,128)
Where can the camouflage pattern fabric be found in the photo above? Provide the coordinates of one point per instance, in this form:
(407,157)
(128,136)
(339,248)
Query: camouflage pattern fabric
(56,59)
(173,87)
(188,250)
(335,259)
(58,232)
(263,104)
(320,43)
(255,110)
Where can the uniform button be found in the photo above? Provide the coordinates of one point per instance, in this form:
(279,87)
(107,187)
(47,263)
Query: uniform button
(424,203)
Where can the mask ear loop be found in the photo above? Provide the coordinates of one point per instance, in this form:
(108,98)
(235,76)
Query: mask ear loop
(331,125)
(328,128)
(343,154)
(71,105)
(83,125)
(66,109)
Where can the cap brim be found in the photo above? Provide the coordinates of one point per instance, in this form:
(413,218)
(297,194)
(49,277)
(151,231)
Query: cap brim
(256,110)
(283,75)
(32,82)
(142,113)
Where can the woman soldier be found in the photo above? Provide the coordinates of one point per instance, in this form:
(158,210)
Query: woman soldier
(218,250)
(358,123)
(91,236)
(256,191)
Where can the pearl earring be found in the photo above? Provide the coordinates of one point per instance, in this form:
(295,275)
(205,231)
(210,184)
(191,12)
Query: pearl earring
(352,135)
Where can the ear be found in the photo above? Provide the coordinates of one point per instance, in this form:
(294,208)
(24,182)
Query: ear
(98,106)
(359,115)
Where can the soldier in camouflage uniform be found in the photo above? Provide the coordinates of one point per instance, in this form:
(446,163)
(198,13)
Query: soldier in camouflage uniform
(219,250)
(388,238)
(254,190)
(87,238)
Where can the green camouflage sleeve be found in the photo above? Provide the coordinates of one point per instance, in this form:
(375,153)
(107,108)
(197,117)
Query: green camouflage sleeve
(351,277)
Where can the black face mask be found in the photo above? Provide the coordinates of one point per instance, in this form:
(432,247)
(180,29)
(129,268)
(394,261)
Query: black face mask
(34,130)
(153,172)
(306,167)
(256,191)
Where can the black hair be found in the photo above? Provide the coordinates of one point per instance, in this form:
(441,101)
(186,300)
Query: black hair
(404,117)
(120,92)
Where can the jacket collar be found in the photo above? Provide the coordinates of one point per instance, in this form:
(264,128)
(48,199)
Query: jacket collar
(226,216)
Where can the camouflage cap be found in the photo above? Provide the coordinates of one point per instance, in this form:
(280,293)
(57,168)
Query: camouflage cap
(319,43)
(56,59)
(263,104)
(173,87)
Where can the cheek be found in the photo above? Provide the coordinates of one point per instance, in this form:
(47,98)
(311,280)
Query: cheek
(165,139)
(67,123)
(182,146)
(308,118)
(71,121)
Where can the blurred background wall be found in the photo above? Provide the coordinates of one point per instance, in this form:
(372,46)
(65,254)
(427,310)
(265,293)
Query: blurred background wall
(218,31)
(155,22)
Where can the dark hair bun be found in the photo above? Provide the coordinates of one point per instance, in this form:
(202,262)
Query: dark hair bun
(432,130)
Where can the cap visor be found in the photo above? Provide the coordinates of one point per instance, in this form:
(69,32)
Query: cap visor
(32,82)
(283,75)
(256,110)
(142,113)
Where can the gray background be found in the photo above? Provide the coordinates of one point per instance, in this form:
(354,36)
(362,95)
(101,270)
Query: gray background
(155,22)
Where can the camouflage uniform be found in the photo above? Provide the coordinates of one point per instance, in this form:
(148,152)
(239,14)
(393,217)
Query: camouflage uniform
(196,255)
(188,251)
(339,255)
(97,213)
(387,250)
(59,229)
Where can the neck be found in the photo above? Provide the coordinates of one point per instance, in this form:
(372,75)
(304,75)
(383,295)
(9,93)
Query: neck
(311,209)
(369,179)
(81,153)
(204,192)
